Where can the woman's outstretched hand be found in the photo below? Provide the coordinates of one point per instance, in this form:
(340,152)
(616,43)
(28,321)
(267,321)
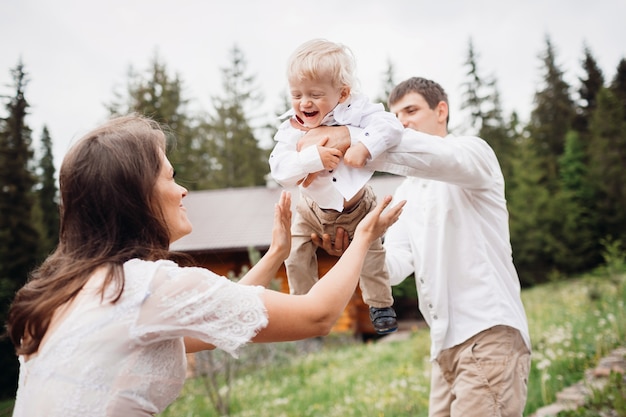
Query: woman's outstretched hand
(281,232)
(376,223)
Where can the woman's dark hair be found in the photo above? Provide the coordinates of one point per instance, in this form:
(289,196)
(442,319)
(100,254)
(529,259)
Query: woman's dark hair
(108,216)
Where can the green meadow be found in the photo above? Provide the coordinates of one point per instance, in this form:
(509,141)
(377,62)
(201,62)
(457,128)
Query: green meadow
(573,324)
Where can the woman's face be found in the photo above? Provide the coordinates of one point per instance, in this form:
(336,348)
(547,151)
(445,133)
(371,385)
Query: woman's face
(169,197)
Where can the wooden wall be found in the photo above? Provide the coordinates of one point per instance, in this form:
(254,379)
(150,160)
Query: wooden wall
(355,318)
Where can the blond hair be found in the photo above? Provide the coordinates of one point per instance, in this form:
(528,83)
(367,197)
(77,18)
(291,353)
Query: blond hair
(319,58)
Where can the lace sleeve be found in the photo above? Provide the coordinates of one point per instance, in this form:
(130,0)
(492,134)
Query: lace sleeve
(197,303)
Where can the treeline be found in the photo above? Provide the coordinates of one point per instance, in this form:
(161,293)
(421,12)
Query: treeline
(564,168)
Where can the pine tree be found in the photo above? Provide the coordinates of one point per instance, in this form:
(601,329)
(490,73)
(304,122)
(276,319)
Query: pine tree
(47,196)
(389,83)
(529,200)
(618,84)
(607,159)
(482,99)
(589,88)
(235,156)
(552,116)
(474,96)
(581,249)
(159,95)
(18,237)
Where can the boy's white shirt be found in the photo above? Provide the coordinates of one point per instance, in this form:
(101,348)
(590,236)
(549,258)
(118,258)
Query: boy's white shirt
(368,123)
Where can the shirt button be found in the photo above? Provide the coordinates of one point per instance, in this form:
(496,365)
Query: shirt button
(367,133)
(334,179)
(435,317)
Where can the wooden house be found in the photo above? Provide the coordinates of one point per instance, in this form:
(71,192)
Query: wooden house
(227,223)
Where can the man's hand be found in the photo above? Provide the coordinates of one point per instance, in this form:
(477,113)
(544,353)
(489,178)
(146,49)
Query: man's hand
(374,224)
(336,248)
(337,137)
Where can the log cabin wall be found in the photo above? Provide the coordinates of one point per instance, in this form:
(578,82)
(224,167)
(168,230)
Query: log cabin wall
(355,318)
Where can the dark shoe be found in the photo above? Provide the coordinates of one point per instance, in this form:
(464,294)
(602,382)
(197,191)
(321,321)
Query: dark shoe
(384,319)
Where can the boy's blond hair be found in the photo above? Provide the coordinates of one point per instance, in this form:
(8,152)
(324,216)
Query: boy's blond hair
(319,58)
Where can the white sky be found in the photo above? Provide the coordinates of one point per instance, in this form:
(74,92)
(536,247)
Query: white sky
(77,52)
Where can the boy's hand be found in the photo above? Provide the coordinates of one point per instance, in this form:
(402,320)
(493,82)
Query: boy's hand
(330,157)
(357,155)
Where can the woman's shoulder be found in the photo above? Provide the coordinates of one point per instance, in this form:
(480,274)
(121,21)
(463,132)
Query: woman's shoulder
(161,271)
(145,265)
(140,273)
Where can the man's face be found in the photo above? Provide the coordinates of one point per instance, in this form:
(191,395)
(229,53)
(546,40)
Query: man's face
(413,112)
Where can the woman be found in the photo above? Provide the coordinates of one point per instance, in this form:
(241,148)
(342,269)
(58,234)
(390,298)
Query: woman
(102,326)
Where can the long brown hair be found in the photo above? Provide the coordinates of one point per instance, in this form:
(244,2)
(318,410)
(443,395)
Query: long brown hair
(108,216)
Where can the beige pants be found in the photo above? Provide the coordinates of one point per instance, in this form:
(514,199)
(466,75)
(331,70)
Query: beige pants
(484,376)
(301,265)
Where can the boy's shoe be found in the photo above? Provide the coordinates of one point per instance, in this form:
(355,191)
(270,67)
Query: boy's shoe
(384,319)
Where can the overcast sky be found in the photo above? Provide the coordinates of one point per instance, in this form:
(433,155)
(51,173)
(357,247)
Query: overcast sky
(78,51)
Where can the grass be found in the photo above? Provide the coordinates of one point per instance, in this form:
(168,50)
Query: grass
(573,323)
(607,401)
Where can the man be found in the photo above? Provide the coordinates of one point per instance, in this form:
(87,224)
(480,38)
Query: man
(454,237)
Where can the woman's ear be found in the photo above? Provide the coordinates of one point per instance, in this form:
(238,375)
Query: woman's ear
(344,94)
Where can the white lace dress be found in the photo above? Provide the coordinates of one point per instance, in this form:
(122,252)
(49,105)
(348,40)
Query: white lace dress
(128,358)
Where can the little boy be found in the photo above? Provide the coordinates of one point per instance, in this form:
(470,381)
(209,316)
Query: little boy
(321,82)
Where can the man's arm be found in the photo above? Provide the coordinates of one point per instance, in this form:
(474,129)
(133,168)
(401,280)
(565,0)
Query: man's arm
(338,137)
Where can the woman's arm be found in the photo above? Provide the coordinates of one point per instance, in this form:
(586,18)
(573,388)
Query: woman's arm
(266,269)
(293,317)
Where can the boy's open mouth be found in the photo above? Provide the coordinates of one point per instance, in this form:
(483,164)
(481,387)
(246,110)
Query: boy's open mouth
(310,114)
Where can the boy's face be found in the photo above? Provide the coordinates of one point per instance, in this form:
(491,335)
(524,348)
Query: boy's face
(312,100)
(413,112)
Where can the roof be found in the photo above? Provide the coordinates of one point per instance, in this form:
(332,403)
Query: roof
(239,218)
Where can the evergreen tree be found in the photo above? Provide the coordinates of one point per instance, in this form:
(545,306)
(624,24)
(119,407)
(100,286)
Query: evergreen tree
(18,237)
(607,159)
(529,201)
(552,116)
(581,249)
(235,156)
(482,99)
(48,196)
(589,88)
(618,85)
(473,95)
(539,235)
(389,83)
(159,95)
